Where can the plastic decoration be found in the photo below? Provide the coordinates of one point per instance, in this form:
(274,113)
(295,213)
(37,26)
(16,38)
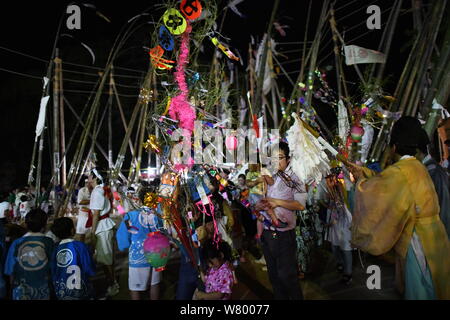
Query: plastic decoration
(174,21)
(168,184)
(231,143)
(191,9)
(165,39)
(151,200)
(152,144)
(180,109)
(224,49)
(357,133)
(157,60)
(157,250)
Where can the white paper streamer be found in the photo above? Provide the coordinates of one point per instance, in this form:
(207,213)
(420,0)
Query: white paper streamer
(308,160)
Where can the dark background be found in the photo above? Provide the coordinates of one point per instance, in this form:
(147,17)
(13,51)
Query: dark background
(30,28)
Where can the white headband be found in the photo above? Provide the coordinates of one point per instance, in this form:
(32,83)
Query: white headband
(97,174)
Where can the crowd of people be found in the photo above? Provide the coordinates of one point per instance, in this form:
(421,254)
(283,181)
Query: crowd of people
(275,218)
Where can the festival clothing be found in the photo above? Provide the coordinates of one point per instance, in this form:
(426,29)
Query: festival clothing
(28,262)
(132,232)
(220,280)
(72,265)
(139,278)
(83,211)
(398,209)
(441,184)
(105,226)
(100,202)
(104,247)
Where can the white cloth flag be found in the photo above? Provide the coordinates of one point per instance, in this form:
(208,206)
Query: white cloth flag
(344,126)
(41,120)
(366,141)
(357,55)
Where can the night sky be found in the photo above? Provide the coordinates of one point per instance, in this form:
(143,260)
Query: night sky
(30,28)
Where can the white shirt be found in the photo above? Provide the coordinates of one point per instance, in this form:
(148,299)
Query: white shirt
(102,203)
(4,208)
(83,195)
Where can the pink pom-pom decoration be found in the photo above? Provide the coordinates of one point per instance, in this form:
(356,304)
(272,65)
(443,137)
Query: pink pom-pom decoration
(157,250)
(231,143)
(180,109)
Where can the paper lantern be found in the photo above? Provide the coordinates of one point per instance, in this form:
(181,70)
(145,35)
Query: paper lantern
(174,21)
(157,250)
(231,143)
(357,133)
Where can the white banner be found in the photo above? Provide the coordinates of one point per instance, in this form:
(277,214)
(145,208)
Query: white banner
(357,55)
(41,120)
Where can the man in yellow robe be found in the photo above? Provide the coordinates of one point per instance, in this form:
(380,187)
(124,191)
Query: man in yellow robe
(398,210)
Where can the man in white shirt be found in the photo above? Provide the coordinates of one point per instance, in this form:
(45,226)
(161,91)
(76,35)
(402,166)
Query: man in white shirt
(5,207)
(83,200)
(103,230)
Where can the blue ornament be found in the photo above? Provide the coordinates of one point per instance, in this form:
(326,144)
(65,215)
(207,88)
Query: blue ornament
(165,39)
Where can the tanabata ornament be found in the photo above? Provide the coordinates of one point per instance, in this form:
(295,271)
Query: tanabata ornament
(357,133)
(174,21)
(151,200)
(231,143)
(169,181)
(308,159)
(152,144)
(157,250)
(157,59)
(191,9)
(224,49)
(165,39)
(180,108)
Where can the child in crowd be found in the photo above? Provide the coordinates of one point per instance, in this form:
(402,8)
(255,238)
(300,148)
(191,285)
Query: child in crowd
(219,277)
(258,179)
(133,231)
(28,260)
(72,264)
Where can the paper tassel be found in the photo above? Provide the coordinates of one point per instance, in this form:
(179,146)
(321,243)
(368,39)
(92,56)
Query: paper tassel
(308,160)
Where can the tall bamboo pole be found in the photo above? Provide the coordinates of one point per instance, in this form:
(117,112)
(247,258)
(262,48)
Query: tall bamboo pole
(56,129)
(262,67)
(62,125)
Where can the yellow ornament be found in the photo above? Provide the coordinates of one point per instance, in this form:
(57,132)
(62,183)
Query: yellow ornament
(174,21)
(152,144)
(151,200)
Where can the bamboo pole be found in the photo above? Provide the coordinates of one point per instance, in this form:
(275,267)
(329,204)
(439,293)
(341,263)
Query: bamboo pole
(262,67)
(392,27)
(56,129)
(62,125)
(122,116)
